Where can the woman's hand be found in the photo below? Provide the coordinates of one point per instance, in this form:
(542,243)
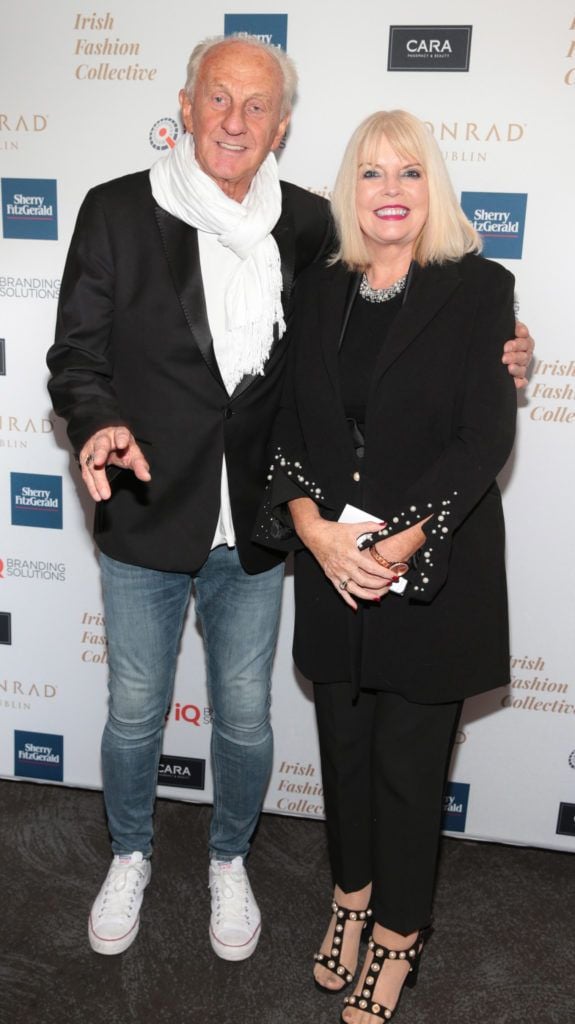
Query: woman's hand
(352,572)
(404,544)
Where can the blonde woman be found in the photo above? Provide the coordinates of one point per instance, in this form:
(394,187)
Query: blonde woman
(396,407)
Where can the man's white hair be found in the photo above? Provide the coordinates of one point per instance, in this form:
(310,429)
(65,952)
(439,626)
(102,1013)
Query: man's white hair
(285,64)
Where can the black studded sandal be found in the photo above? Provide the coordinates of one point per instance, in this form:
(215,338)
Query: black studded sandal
(364,1000)
(331,961)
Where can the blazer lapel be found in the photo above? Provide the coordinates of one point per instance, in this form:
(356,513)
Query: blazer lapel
(336,301)
(180,242)
(337,298)
(429,289)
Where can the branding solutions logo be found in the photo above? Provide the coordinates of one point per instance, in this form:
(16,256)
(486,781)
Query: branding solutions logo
(429,47)
(5,628)
(32,569)
(30,208)
(164,133)
(38,755)
(499,217)
(270,28)
(36,500)
(182,772)
(455,801)
(566,820)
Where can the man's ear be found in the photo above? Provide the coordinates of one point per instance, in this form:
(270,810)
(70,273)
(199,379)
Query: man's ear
(282,129)
(186,110)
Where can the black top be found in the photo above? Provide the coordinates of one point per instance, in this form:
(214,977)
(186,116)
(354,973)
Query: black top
(367,329)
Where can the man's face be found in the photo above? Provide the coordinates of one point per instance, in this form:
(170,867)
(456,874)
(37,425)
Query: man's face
(235,114)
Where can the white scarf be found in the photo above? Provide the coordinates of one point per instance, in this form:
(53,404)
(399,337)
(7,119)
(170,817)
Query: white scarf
(253,297)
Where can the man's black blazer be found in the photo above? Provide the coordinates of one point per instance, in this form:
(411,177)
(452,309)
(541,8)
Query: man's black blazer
(133,346)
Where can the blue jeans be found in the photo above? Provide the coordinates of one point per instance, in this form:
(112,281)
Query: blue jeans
(239,616)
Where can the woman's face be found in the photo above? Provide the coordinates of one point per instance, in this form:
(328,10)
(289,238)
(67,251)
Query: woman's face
(392,201)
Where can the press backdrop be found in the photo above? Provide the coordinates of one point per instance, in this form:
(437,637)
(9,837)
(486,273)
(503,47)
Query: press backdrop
(91,93)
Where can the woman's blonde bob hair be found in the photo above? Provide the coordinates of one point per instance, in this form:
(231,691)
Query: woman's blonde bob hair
(446,234)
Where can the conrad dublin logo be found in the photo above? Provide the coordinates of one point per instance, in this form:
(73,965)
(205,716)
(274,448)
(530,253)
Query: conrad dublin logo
(499,217)
(429,48)
(270,28)
(30,208)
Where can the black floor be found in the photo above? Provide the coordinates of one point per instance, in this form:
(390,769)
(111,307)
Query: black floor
(503,949)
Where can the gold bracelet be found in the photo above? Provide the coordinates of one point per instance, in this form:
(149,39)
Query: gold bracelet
(399,568)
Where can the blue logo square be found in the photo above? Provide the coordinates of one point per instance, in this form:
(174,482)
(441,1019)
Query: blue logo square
(30,208)
(499,217)
(36,500)
(270,28)
(38,755)
(455,801)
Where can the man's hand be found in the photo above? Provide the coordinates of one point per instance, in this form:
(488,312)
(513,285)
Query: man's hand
(111,446)
(517,354)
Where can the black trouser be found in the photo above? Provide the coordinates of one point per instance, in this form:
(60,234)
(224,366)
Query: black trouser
(384,761)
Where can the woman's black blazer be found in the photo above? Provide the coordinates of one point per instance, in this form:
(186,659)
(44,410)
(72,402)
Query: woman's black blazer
(440,424)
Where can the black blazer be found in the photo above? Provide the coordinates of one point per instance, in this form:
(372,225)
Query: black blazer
(133,346)
(440,423)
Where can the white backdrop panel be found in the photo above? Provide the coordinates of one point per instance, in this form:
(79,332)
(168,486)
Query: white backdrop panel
(504,126)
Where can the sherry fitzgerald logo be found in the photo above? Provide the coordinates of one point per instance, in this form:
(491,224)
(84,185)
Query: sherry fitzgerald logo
(499,217)
(455,801)
(38,755)
(30,208)
(270,28)
(36,500)
(429,47)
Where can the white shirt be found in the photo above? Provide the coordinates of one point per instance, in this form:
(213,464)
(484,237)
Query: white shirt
(217,264)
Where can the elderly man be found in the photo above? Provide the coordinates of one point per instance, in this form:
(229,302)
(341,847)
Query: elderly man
(167,366)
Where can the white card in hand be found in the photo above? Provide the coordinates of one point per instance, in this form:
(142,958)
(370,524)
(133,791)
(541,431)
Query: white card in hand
(351,514)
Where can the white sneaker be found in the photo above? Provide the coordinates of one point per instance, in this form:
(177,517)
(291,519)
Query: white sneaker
(115,915)
(235,923)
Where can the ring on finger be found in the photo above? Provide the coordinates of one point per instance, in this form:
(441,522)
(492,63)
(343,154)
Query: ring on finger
(89,460)
(343,583)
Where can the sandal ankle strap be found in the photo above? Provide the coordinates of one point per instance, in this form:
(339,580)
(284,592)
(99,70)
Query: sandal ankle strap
(345,914)
(412,954)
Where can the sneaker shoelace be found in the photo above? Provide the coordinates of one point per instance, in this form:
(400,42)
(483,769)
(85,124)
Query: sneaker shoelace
(121,891)
(231,887)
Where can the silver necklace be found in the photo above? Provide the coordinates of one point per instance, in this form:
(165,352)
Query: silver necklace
(381,294)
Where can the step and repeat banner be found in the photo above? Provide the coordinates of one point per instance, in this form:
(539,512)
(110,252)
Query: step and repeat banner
(91,93)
